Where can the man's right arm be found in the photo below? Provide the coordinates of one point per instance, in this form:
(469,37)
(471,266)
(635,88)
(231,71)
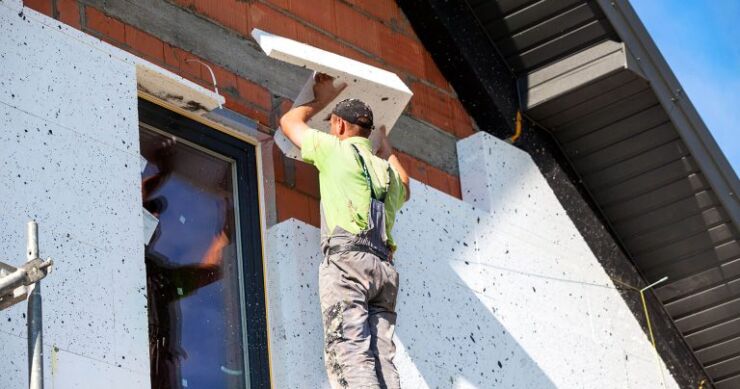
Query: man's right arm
(293,123)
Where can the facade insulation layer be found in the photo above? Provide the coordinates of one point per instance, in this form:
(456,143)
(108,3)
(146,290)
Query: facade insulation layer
(70,160)
(497,289)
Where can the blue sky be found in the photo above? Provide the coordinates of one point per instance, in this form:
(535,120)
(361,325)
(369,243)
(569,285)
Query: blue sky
(700,39)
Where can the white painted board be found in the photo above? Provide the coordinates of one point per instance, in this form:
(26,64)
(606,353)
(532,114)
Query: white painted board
(384,91)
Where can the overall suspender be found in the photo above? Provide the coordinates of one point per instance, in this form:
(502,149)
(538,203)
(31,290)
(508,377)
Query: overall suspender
(366,173)
(377,233)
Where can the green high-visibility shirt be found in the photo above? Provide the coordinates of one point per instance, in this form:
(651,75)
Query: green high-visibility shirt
(345,195)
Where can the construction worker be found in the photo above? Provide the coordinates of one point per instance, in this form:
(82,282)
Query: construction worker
(360,195)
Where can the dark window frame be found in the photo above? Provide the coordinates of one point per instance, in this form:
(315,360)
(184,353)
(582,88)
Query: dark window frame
(247,176)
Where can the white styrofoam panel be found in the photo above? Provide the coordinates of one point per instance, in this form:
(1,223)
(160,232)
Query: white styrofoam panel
(71,370)
(64,369)
(611,327)
(14,370)
(15,5)
(175,89)
(296,336)
(70,160)
(499,282)
(384,91)
(507,190)
(67,182)
(60,75)
(93,304)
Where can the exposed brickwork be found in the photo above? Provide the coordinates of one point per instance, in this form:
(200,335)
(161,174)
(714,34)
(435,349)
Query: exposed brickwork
(68,12)
(438,179)
(357,29)
(307,179)
(254,93)
(145,45)
(292,204)
(432,106)
(317,39)
(278,164)
(319,13)
(314,212)
(110,29)
(172,58)
(372,31)
(433,74)
(270,18)
(230,14)
(462,124)
(43,6)
(402,52)
(386,11)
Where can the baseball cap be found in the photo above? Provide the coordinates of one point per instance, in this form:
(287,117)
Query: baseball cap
(356,112)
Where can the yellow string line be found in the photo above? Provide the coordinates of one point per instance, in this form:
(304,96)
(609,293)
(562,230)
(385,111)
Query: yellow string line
(625,284)
(652,337)
(649,325)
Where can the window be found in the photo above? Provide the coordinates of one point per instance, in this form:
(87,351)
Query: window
(207,326)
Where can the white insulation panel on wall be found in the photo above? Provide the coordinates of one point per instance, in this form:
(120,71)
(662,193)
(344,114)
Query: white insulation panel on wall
(69,157)
(504,293)
(384,91)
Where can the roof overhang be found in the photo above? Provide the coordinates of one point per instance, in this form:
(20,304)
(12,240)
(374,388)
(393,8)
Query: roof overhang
(601,67)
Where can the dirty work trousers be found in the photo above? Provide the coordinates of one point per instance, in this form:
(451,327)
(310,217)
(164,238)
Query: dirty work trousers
(358,294)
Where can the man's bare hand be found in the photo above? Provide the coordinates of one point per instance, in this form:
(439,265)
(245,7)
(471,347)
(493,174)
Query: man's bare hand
(294,122)
(324,90)
(385,150)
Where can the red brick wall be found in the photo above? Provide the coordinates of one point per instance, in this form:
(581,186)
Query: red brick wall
(371,31)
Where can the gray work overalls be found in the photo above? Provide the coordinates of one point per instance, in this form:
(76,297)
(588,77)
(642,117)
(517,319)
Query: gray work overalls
(358,286)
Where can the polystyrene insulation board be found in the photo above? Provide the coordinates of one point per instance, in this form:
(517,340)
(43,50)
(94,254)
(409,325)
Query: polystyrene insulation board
(384,91)
(174,89)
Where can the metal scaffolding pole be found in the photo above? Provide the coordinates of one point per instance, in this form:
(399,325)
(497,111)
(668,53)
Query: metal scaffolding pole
(23,283)
(35,339)
(11,281)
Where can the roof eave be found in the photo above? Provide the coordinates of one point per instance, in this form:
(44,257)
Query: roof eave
(683,114)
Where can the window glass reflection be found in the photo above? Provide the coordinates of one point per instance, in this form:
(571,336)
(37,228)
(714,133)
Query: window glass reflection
(195,326)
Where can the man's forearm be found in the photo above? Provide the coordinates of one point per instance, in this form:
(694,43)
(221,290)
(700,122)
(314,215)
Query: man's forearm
(305,112)
(387,152)
(294,122)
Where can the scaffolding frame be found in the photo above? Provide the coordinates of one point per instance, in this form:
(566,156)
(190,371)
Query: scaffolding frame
(24,283)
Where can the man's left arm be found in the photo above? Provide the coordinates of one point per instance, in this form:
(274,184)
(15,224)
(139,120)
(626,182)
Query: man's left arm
(386,152)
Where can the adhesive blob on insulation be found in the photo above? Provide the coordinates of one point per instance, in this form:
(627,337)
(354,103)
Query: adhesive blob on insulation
(384,91)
